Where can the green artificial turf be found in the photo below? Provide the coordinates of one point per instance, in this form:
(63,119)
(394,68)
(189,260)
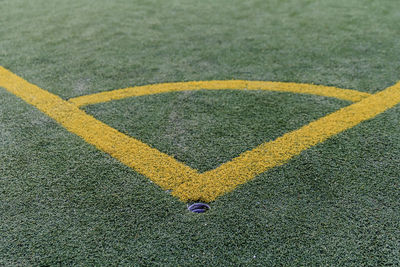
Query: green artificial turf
(205,129)
(63,202)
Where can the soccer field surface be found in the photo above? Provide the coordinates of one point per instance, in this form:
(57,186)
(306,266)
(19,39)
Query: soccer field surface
(282,115)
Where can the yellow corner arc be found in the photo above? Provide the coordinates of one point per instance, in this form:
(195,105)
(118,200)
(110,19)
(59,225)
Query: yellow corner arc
(187,183)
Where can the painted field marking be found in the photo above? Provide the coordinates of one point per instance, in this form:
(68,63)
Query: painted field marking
(187,183)
(328,91)
(159,167)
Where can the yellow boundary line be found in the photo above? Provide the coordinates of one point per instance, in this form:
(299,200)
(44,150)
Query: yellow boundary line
(246,166)
(159,167)
(187,183)
(328,91)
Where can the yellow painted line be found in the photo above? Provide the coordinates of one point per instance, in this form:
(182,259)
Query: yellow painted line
(187,183)
(328,91)
(159,167)
(246,166)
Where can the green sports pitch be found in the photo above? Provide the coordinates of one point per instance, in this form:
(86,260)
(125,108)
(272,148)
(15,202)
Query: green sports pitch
(282,115)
